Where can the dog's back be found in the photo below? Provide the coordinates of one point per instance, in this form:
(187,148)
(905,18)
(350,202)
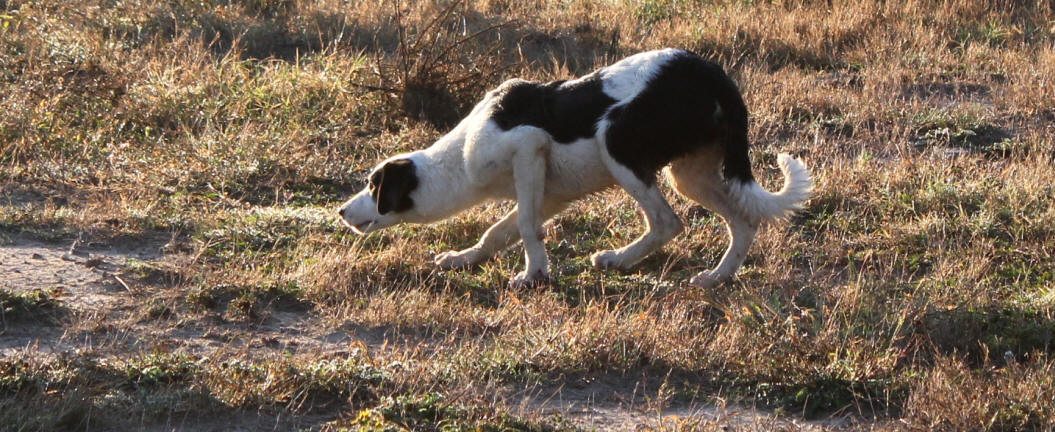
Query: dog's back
(647,110)
(685,103)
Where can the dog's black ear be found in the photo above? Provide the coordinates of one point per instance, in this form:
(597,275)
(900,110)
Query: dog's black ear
(391,185)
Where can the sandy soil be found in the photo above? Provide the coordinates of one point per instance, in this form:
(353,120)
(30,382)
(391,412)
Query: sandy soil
(99,298)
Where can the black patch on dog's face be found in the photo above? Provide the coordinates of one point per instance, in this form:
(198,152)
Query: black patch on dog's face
(391,184)
(567,110)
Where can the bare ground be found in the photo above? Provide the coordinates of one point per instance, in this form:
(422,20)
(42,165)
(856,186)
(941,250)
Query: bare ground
(94,286)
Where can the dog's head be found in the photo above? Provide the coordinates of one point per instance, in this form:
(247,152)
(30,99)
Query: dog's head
(386,199)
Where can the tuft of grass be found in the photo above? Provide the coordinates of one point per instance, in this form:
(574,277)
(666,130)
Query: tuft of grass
(431,412)
(36,304)
(993,399)
(96,392)
(248,302)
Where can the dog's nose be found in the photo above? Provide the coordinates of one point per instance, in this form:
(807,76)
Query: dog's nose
(340,211)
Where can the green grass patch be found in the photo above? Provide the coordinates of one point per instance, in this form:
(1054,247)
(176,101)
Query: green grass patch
(37,304)
(432,412)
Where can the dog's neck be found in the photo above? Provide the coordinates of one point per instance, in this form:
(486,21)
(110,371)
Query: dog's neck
(446,188)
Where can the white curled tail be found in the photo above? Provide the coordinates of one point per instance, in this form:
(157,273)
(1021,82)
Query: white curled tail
(759,203)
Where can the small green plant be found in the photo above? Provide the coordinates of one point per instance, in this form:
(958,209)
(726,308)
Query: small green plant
(431,412)
(37,303)
(651,12)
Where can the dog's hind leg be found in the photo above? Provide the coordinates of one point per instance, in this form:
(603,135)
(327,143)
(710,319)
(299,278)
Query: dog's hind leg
(662,223)
(697,177)
(498,237)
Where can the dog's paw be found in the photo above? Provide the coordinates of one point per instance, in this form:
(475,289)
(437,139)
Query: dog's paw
(705,279)
(456,259)
(608,259)
(524,280)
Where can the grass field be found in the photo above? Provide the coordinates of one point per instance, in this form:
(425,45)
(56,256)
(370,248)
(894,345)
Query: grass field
(181,161)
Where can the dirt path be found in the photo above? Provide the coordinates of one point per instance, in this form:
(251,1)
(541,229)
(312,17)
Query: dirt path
(83,284)
(101,304)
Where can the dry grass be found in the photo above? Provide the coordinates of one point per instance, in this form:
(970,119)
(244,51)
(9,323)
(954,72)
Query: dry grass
(917,287)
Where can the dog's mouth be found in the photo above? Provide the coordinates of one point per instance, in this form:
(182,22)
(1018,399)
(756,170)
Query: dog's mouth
(361,227)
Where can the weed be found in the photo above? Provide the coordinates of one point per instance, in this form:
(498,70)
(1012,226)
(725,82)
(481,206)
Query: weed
(431,412)
(248,302)
(437,74)
(35,304)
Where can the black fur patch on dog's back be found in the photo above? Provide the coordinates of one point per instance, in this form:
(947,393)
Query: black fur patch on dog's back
(567,110)
(675,115)
(391,184)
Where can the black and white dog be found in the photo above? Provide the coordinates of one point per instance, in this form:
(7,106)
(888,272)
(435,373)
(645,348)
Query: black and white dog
(547,144)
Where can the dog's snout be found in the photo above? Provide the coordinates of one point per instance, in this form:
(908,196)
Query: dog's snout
(340,211)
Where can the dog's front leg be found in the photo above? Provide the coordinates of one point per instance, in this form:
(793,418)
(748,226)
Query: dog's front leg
(529,176)
(498,237)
